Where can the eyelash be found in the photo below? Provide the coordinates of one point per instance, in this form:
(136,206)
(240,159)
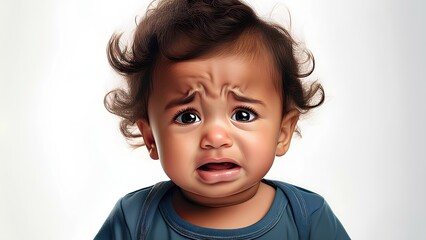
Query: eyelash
(248,108)
(187,109)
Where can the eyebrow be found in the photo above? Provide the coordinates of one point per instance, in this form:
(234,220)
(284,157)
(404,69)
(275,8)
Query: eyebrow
(241,98)
(180,101)
(190,98)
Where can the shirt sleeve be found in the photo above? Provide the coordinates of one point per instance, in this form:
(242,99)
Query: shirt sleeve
(115,226)
(325,225)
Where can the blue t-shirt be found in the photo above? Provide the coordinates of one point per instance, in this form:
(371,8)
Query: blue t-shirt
(279,222)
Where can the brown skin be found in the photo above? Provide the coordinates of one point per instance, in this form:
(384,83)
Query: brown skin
(230,217)
(214,93)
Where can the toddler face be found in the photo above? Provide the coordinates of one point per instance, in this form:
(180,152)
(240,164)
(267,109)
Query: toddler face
(216,123)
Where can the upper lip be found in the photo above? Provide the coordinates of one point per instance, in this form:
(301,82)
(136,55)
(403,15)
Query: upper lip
(216,160)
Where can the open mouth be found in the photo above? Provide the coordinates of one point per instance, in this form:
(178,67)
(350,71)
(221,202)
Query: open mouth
(212,173)
(217,166)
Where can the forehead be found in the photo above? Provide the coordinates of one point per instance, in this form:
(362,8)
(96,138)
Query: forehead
(215,75)
(249,47)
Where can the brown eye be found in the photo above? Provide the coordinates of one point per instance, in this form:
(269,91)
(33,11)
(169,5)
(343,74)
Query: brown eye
(187,118)
(244,115)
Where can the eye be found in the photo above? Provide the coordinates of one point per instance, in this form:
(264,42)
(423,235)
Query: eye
(244,115)
(186,117)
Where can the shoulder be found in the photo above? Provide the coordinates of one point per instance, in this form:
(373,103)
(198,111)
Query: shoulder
(134,212)
(312,214)
(134,200)
(308,200)
(123,218)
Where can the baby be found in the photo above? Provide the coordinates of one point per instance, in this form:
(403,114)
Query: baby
(216,94)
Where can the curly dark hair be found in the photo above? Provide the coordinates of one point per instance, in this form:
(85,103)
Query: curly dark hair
(186,29)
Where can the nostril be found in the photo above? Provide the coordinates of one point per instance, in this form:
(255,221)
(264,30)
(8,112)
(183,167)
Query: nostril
(216,141)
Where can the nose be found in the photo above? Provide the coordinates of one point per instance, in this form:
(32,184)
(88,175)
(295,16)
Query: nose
(215,136)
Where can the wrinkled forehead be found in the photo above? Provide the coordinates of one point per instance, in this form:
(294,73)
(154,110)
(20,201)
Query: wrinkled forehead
(250,47)
(218,78)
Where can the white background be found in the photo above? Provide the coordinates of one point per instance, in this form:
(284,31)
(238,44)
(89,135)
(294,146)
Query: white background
(63,163)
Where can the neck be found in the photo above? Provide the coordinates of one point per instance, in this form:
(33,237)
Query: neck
(235,211)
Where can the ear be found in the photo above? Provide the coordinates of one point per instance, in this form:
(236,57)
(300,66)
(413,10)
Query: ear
(288,124)
(148,138)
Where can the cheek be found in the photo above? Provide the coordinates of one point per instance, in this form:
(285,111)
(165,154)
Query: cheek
(176,151)
(173,143)
(259,145)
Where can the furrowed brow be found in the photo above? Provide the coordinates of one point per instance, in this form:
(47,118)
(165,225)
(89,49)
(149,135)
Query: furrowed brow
(180,101)
(245,99)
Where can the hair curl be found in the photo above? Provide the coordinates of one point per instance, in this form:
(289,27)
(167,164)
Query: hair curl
(186,29)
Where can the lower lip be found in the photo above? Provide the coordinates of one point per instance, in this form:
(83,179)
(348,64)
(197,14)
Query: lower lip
(226,175)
